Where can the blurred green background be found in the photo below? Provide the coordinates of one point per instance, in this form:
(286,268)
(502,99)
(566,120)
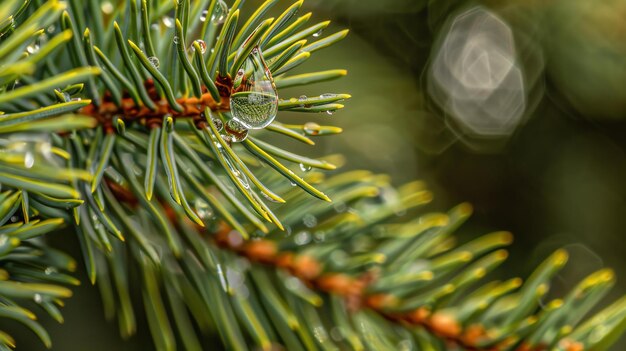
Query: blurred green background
(555,178)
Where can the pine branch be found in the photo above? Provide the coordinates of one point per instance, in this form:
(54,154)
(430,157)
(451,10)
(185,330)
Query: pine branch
(148,134)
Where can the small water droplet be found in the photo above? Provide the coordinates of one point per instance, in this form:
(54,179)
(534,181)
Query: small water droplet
(339,257)
(309,220)
(302,238)
(235,278)
(311,128)
(137,170)
(243,181)
(293,283)
(202,45)
(236,131)
(226,138)
(97,225)
(235,239)
(336,334)
(29,159)
(319,236)
(305,168)
(154,61)
(176,39)
(254,100)
(329,112)
(327,96)
(203,209)
(222,277)
(203,15)
(293,184)
(33,48)
(320,334)
(219,125)
(400,212)
(318,33)
(50,270)
(405,345)
(168,21)
(340,207)
(51,28)
(268,197)
(38,298)
(107,8)
(302,99)
(14,219)
(45,148)
(219,12)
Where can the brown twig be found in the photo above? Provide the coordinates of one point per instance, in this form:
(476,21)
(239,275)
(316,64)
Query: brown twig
(354,291)
(193,107)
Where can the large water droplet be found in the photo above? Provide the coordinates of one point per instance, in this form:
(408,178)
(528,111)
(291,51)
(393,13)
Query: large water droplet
(154,61)
(254,100)
(38,298)
(311,128)
(236,131)
(219,12)
(203,15)
(176,39)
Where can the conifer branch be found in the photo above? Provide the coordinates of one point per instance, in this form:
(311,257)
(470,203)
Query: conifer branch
(140,132)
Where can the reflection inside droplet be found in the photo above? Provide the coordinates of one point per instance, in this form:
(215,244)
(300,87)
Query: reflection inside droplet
(254,100)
